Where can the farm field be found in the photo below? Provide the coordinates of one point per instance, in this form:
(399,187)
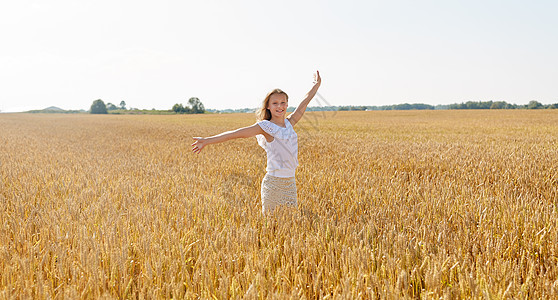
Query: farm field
(392,204)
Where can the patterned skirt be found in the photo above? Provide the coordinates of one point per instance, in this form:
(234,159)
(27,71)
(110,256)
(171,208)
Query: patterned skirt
(277,191)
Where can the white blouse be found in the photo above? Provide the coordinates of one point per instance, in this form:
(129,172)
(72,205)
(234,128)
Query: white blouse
(282,152)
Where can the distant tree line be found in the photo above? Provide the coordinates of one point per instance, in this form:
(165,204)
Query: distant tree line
(111,106)
(404,106)
(230,110)
(99,107)
(501,105)
(195,106)
(466,105)
(420,106)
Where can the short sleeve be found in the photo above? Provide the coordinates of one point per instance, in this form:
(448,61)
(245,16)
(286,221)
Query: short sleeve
(282,133)
(268,127)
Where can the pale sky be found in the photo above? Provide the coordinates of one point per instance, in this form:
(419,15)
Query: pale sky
(153,54)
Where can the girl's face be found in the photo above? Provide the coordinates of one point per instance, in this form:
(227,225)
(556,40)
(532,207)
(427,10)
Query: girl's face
(277,105)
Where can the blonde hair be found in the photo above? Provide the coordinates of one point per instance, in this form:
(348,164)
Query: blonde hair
(263,113)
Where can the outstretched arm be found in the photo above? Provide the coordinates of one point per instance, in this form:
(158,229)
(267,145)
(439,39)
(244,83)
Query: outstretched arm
(244,132)
(299,111)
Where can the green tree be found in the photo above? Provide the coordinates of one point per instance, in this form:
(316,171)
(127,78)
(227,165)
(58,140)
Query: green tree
(534,105)
(196,105)
(178,108)
(498,105)
(123,105)
(111,106)
(98,107)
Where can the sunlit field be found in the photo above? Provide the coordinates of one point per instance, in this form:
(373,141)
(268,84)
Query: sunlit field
(409,204)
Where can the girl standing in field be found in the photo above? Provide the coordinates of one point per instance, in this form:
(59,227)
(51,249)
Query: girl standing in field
(276,135)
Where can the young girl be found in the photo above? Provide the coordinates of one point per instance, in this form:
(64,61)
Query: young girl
(276,135)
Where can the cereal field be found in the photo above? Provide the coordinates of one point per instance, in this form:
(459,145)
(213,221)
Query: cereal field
(410,204)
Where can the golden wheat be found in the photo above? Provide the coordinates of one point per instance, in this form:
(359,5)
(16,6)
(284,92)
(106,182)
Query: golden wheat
(416,204)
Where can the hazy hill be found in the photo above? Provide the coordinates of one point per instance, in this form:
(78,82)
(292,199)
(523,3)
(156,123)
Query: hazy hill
(55,110)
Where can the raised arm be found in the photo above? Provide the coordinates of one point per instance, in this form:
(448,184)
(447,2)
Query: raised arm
(244,132)
(299,111)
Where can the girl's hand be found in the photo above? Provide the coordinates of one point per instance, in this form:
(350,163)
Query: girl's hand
(198,144)
(317,78)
